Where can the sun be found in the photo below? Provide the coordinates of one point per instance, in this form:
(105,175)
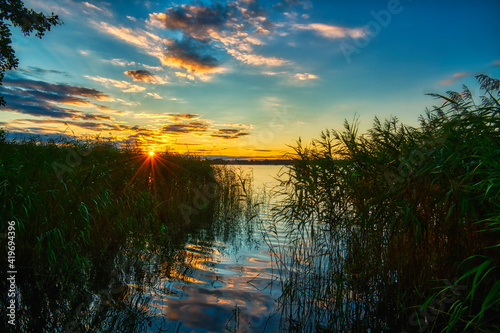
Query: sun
(151,153)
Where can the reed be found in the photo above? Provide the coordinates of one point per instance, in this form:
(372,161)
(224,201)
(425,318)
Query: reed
(74,199)
(89,215)
(397,228)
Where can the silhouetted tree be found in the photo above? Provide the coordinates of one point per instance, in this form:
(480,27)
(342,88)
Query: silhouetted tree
(28,21)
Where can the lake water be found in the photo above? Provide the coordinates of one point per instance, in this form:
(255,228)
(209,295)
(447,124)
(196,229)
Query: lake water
(221,280)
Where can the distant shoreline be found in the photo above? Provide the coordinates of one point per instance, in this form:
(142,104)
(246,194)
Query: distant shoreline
(251,162)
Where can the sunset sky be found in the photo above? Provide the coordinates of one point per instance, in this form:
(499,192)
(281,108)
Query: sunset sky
(241,78)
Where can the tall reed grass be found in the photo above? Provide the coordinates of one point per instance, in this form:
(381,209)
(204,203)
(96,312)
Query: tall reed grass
(397,229)
(73,199)
(88,210)
(70,196)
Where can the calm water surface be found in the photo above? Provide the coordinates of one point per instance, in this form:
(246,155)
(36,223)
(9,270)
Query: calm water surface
(223,279)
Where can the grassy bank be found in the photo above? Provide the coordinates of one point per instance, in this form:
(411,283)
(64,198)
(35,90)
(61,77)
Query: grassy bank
(397,229)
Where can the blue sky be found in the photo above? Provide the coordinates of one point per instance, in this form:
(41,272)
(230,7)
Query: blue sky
(242,78)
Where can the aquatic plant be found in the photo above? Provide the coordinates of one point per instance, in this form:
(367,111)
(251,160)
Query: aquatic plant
(396,228)
(78,205)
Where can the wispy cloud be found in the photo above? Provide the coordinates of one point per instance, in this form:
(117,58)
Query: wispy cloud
(185,128)
(186,75)
(89,5)
(124,86)
(174,117)
(39,108)
(146,76)
(182,116)
(58,88)
(45,125)
(332,31)
(41,71)
(43,99)
(153,68)
(454,78)
(305,76)
(120,62)
(142,39)
(271,73)
(93,8)
(227,133)
(154,95)
(99,127)
(150,115)
(257,60)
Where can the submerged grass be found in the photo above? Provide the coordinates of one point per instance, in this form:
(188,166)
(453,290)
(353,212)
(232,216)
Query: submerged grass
(397,229)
